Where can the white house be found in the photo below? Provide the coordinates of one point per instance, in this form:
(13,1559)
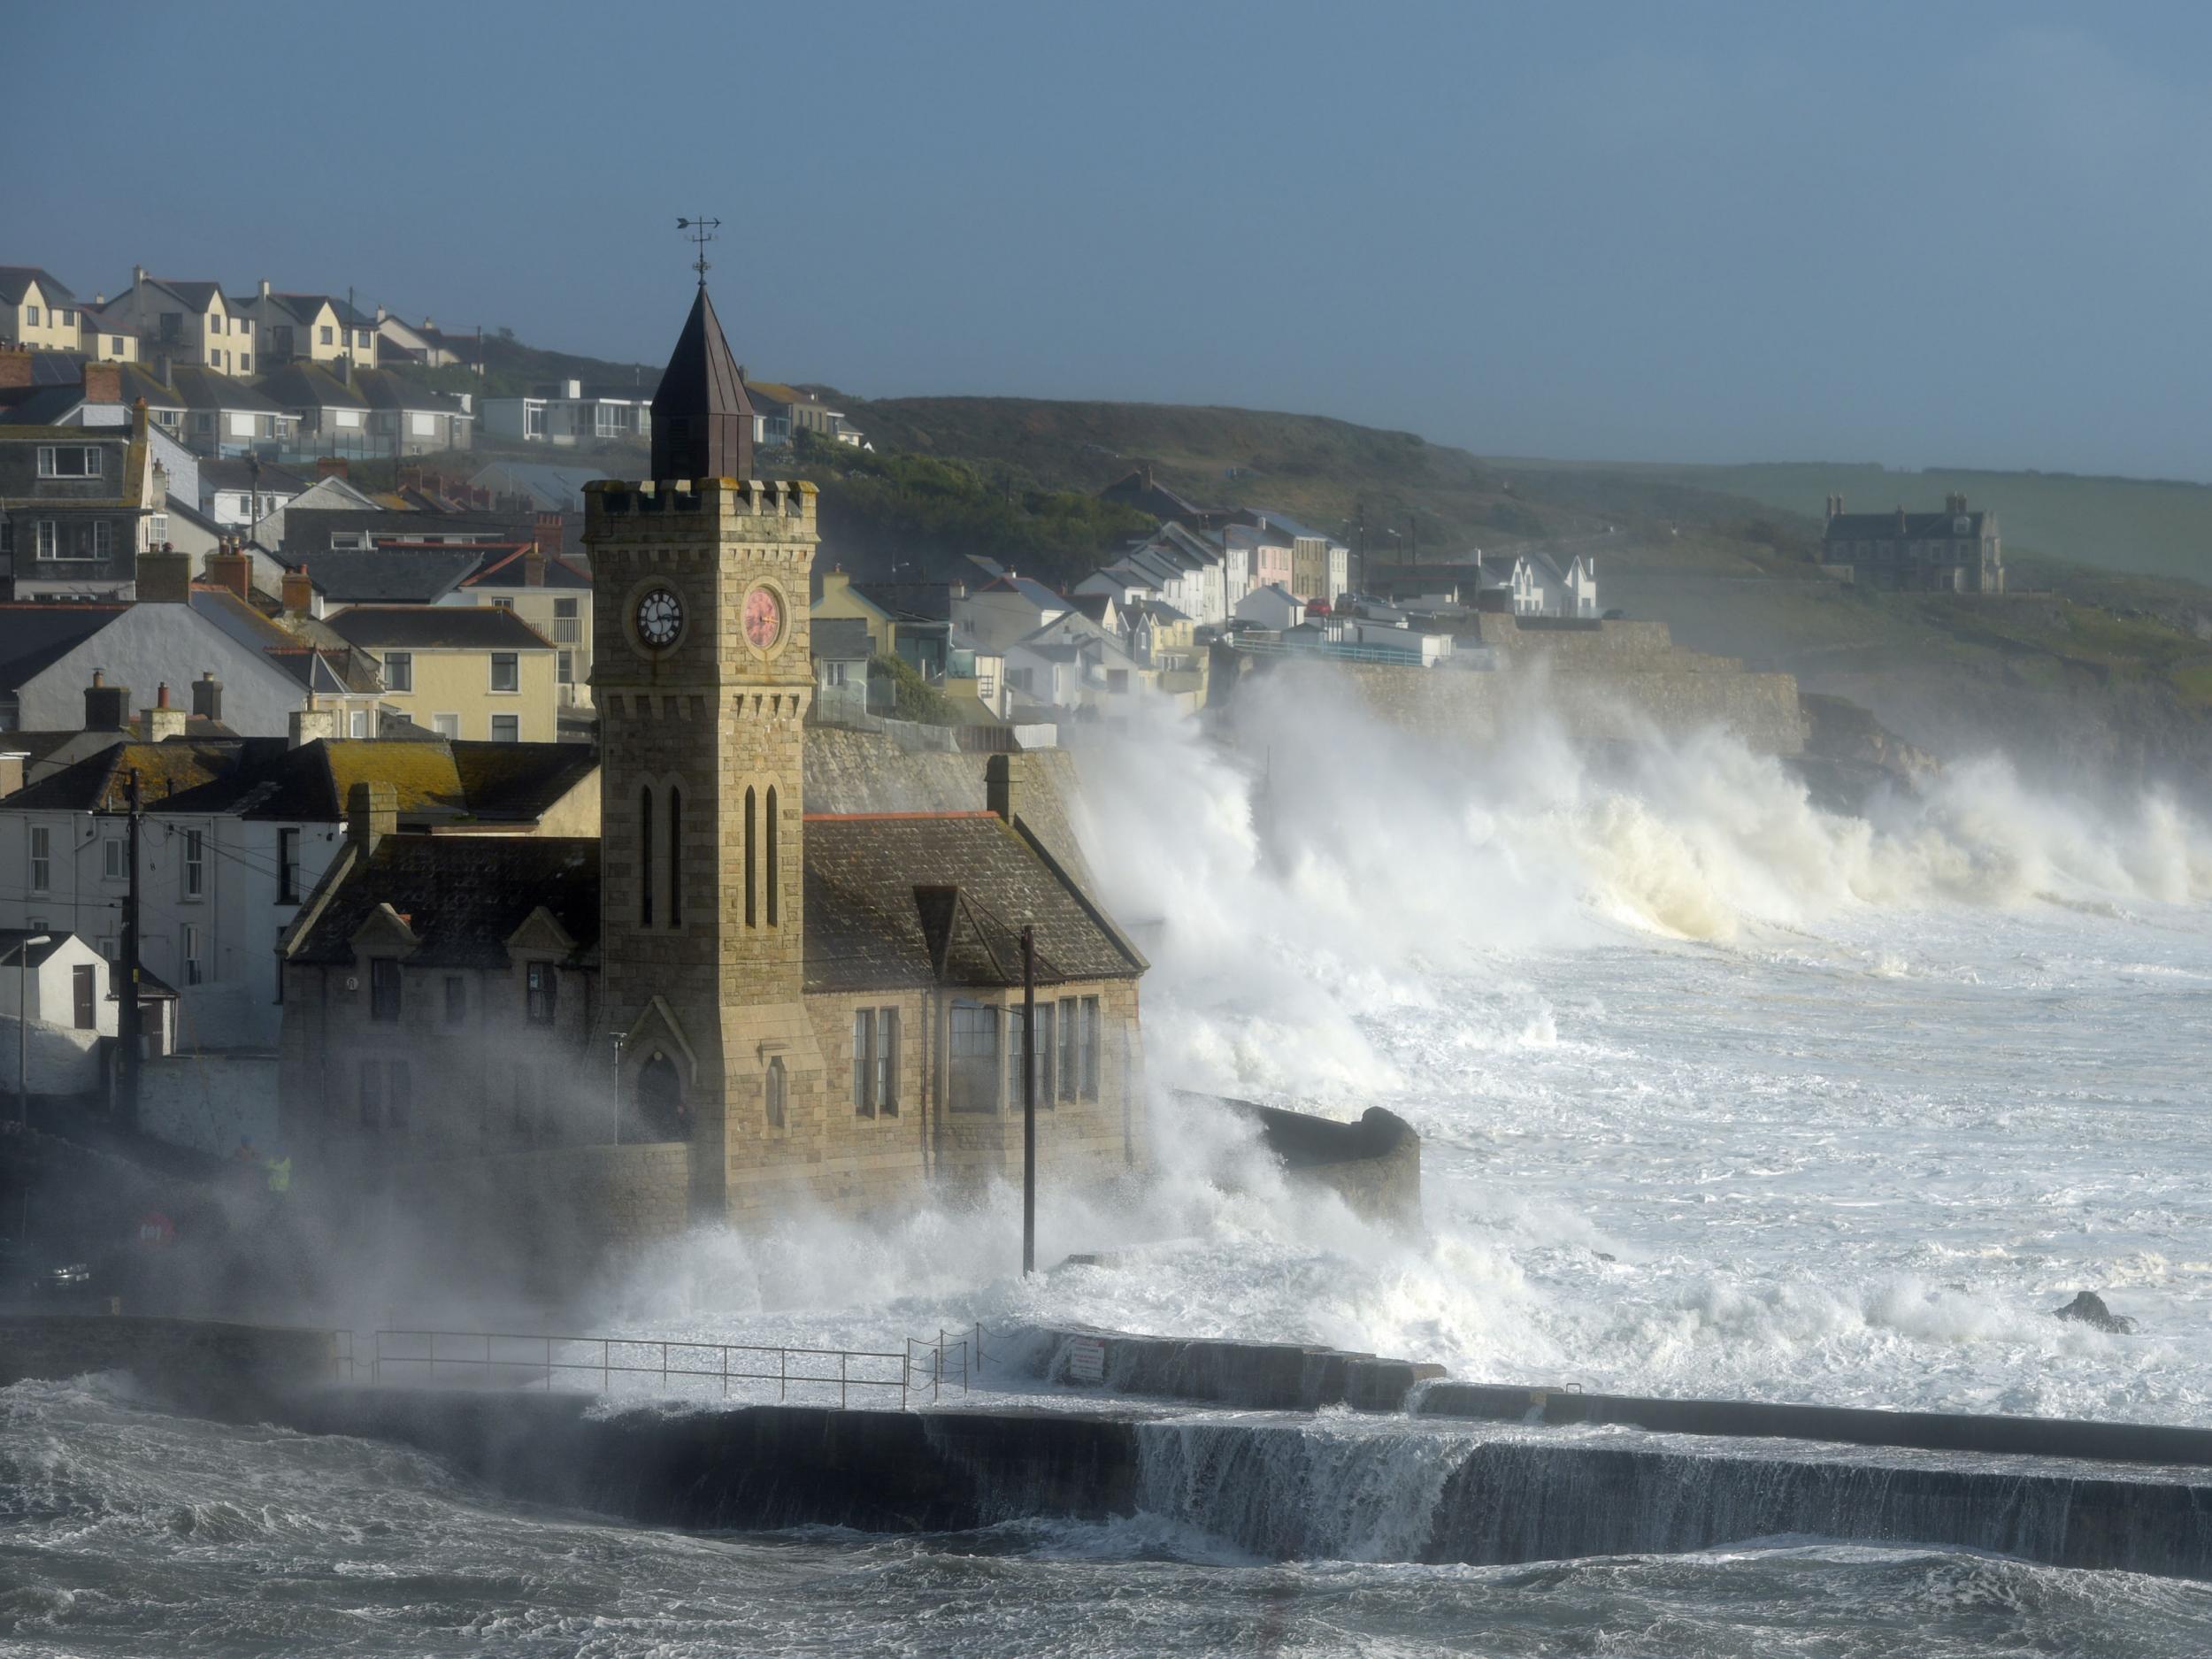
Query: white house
(1072,664)
(1273,606)
(1542,589)
(60,991)
(566,416)
(1005,609)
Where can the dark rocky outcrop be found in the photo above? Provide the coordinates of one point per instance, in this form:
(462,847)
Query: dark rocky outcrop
(2088,1309)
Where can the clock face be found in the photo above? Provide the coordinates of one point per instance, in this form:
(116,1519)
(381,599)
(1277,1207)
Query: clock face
(764,619)
(660,617)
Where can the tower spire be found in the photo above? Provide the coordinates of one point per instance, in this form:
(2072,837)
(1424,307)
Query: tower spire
(702,421)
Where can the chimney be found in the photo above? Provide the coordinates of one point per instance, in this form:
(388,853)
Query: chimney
(330,466)
(299,593)
(163,367)
(382,314)
(138,275)
(207,697)
(165,578)
(161,722)
(533,567)
(106,708)
(227,567)
(103,382)
(371,813)
(1001,790)
(551,532)
(1901,521)
(15,368)
(265,287)
(313,724)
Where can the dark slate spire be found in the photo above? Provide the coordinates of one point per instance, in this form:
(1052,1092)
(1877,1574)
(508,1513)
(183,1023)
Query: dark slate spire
(702,421)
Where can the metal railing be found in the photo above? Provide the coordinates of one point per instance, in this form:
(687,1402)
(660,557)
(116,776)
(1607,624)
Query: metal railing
(521,1359)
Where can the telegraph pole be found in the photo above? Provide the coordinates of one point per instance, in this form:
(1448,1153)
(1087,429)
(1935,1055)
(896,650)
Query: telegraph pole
(126,1019)
(1029,1101)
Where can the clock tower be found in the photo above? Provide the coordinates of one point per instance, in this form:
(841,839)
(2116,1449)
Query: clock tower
(701,676)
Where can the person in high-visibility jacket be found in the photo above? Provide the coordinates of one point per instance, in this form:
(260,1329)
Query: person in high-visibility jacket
(281,1174)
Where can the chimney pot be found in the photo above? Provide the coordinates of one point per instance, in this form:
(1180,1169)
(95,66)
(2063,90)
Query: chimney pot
(161,695)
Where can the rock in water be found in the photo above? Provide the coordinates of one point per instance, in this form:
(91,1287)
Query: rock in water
(2089,1309)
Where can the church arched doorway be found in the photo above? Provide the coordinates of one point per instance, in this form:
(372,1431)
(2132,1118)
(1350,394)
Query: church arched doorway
(660,1101)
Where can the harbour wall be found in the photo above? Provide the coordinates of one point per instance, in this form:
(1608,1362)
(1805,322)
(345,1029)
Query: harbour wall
(202,1364)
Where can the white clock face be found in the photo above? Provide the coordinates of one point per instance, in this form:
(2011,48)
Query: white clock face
(660,619)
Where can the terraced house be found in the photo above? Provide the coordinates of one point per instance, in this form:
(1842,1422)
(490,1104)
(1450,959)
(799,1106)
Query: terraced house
(78,506)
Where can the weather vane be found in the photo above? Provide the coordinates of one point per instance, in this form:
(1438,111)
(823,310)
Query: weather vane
(701,231)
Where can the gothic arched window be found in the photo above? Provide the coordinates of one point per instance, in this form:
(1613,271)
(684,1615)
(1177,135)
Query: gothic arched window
(675,856)
(750,884)
(645,857)
(771,855)
(660,1100)
(779,1092)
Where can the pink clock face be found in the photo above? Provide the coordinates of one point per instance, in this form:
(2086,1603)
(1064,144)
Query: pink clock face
(764,619)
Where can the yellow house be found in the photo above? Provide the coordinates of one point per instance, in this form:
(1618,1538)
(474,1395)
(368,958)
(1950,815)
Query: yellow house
(480,674)
(840,599)
(36,312)
(310,328)
(112,344)
(185,322)
(553,598)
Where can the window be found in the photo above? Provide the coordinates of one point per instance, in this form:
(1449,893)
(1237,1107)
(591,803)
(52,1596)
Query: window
(1044,1054)
(68,460)
(30,316)
(1086,1048)
(194,864)
(875,1062)
(115,344)
(325,332)
(103,539)
(422,425)
(506,728)
(675,857)
(457,999)
(568,626)
(772,882)
(750,886)
(361,337)
(833,674)
(542,983)
(192,970)
(973,1056)
(84,989)
(360,724)
(399,1092)
(245,363)
(1069,1069)
(48,540)
(645,857)
(446,725)
(564,668)
(1117,680)
(41,857)
(287,866)
(372,1094)
(506,671)
(384,988)
(779,1092)
(534,420)
(117,856)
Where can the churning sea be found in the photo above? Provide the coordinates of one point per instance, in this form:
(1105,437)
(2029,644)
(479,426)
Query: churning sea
(1720,1095)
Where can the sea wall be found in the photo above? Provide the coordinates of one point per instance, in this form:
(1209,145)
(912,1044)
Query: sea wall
(1251,1375)
(1367,1489)
(201,1363)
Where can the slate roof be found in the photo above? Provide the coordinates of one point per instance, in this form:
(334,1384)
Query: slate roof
(15,279)
(1919,526)
(386,390)
(308,530)
(303,385)
(519,781)
(416,577)
(463,896)
(839,638)
(99,782)
(909,602)
(202,387)
(1035,591)
(198,296)
(34,636)
(11,940)
(288,651)
(505,566)
(228,474)
(552,488)
(897,899)
(437,627)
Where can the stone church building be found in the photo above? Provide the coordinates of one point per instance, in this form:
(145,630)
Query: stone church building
(725,1004)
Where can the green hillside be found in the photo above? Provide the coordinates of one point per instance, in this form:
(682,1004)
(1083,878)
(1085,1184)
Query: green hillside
(2149,526)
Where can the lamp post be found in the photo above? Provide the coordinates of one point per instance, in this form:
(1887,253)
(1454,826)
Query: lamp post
(23,1026)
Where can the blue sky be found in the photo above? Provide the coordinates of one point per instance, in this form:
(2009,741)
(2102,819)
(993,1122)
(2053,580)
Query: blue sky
(1966,233)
